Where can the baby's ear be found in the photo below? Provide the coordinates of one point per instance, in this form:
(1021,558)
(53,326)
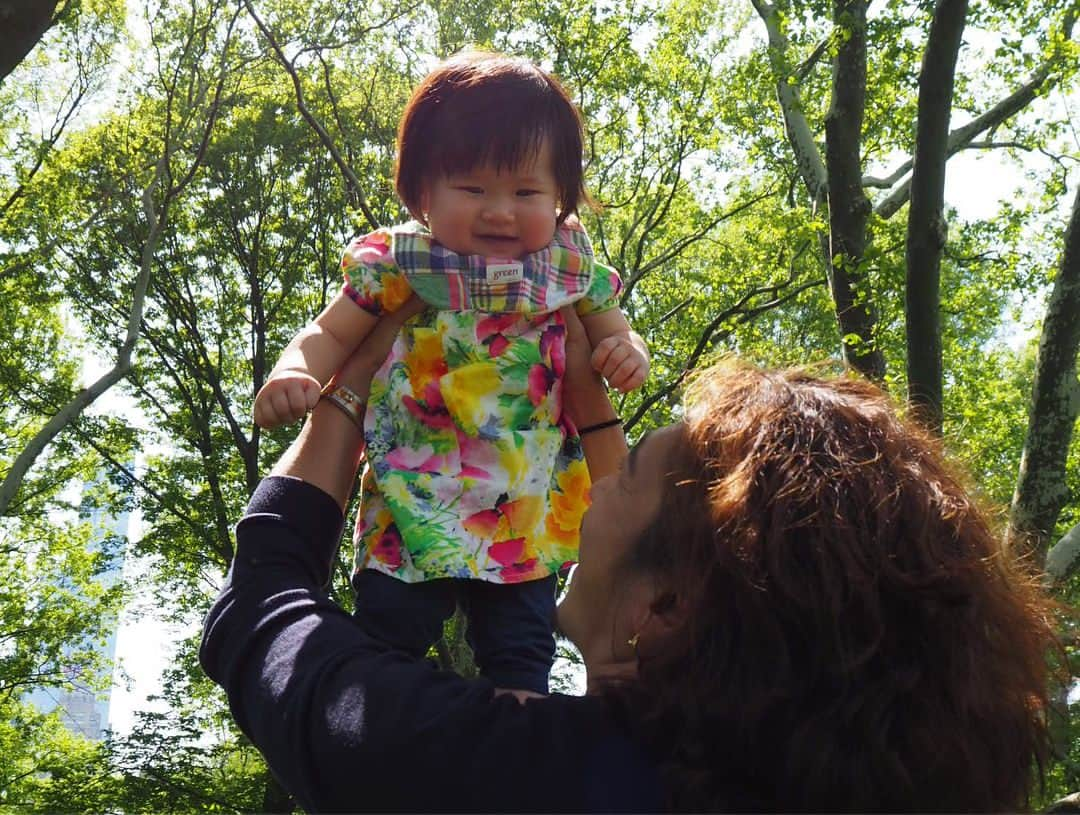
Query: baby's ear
(425,204)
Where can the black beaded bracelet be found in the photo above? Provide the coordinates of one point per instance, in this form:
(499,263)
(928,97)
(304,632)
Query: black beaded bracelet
(599,426)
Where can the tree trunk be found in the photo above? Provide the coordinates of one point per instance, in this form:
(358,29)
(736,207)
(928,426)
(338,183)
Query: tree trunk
(927,229)
(1040,487)
(849,208)
(276,800)
(1064,556)
(22,24)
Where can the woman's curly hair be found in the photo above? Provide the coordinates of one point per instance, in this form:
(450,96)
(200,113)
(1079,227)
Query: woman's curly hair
(854,637)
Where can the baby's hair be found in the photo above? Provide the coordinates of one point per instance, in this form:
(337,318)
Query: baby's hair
(479,107)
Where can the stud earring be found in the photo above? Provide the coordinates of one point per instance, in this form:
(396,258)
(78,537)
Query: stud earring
(632,642)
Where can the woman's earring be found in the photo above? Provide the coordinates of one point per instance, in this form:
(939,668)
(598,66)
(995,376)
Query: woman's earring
(632,642)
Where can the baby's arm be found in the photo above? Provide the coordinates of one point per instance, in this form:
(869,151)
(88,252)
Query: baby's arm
(309,360)
(619,353)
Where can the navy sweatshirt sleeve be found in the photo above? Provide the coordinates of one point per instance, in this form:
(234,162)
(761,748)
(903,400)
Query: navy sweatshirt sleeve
(347,725)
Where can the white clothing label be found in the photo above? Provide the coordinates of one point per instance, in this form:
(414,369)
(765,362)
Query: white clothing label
(513,272)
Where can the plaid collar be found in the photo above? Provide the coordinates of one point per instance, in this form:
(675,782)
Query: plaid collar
(542,281)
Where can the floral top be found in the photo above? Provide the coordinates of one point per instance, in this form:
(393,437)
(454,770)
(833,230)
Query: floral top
(473,471)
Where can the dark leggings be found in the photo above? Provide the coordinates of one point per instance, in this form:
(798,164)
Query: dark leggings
(509,625)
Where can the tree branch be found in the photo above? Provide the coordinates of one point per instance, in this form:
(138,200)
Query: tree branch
(677,248)
(42,151)
(1064,556)
(807,156)
(155,220)
(962,137)
(811,61)
(27,259)
(84,398)
(737,314)
(130,475)
(352,182)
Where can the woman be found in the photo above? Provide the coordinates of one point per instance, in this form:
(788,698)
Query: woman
(784,602)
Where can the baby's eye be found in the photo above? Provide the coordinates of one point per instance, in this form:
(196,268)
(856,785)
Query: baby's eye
(471,189)
(525,193)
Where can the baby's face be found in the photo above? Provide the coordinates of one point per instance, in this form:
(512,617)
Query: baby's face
(505,213)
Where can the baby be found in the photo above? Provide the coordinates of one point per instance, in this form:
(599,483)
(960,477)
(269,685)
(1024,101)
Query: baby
(475,483)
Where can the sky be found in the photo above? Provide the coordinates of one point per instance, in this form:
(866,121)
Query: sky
(145,647)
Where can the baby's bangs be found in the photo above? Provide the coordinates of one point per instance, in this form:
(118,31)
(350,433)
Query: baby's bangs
(502,127)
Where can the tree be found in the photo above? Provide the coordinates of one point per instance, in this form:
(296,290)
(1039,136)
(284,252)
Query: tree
(24,23)
(855,301)
(154,214)
(927,230)
(749,198)
(1041,489)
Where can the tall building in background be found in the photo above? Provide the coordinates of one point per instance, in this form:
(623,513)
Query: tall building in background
(83,710)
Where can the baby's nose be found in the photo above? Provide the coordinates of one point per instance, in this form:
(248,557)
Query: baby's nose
(499,210)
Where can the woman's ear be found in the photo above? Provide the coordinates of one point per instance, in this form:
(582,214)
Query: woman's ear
(667,610)
(664,602)
(658,620)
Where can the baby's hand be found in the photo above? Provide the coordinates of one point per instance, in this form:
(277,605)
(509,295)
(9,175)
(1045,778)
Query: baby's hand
(286,397)
(622,360)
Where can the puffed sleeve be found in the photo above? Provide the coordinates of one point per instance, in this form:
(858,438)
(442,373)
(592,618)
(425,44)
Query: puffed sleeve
(373,279)
(603,292)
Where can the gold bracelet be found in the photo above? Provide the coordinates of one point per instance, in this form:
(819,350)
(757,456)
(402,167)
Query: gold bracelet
(347,401)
